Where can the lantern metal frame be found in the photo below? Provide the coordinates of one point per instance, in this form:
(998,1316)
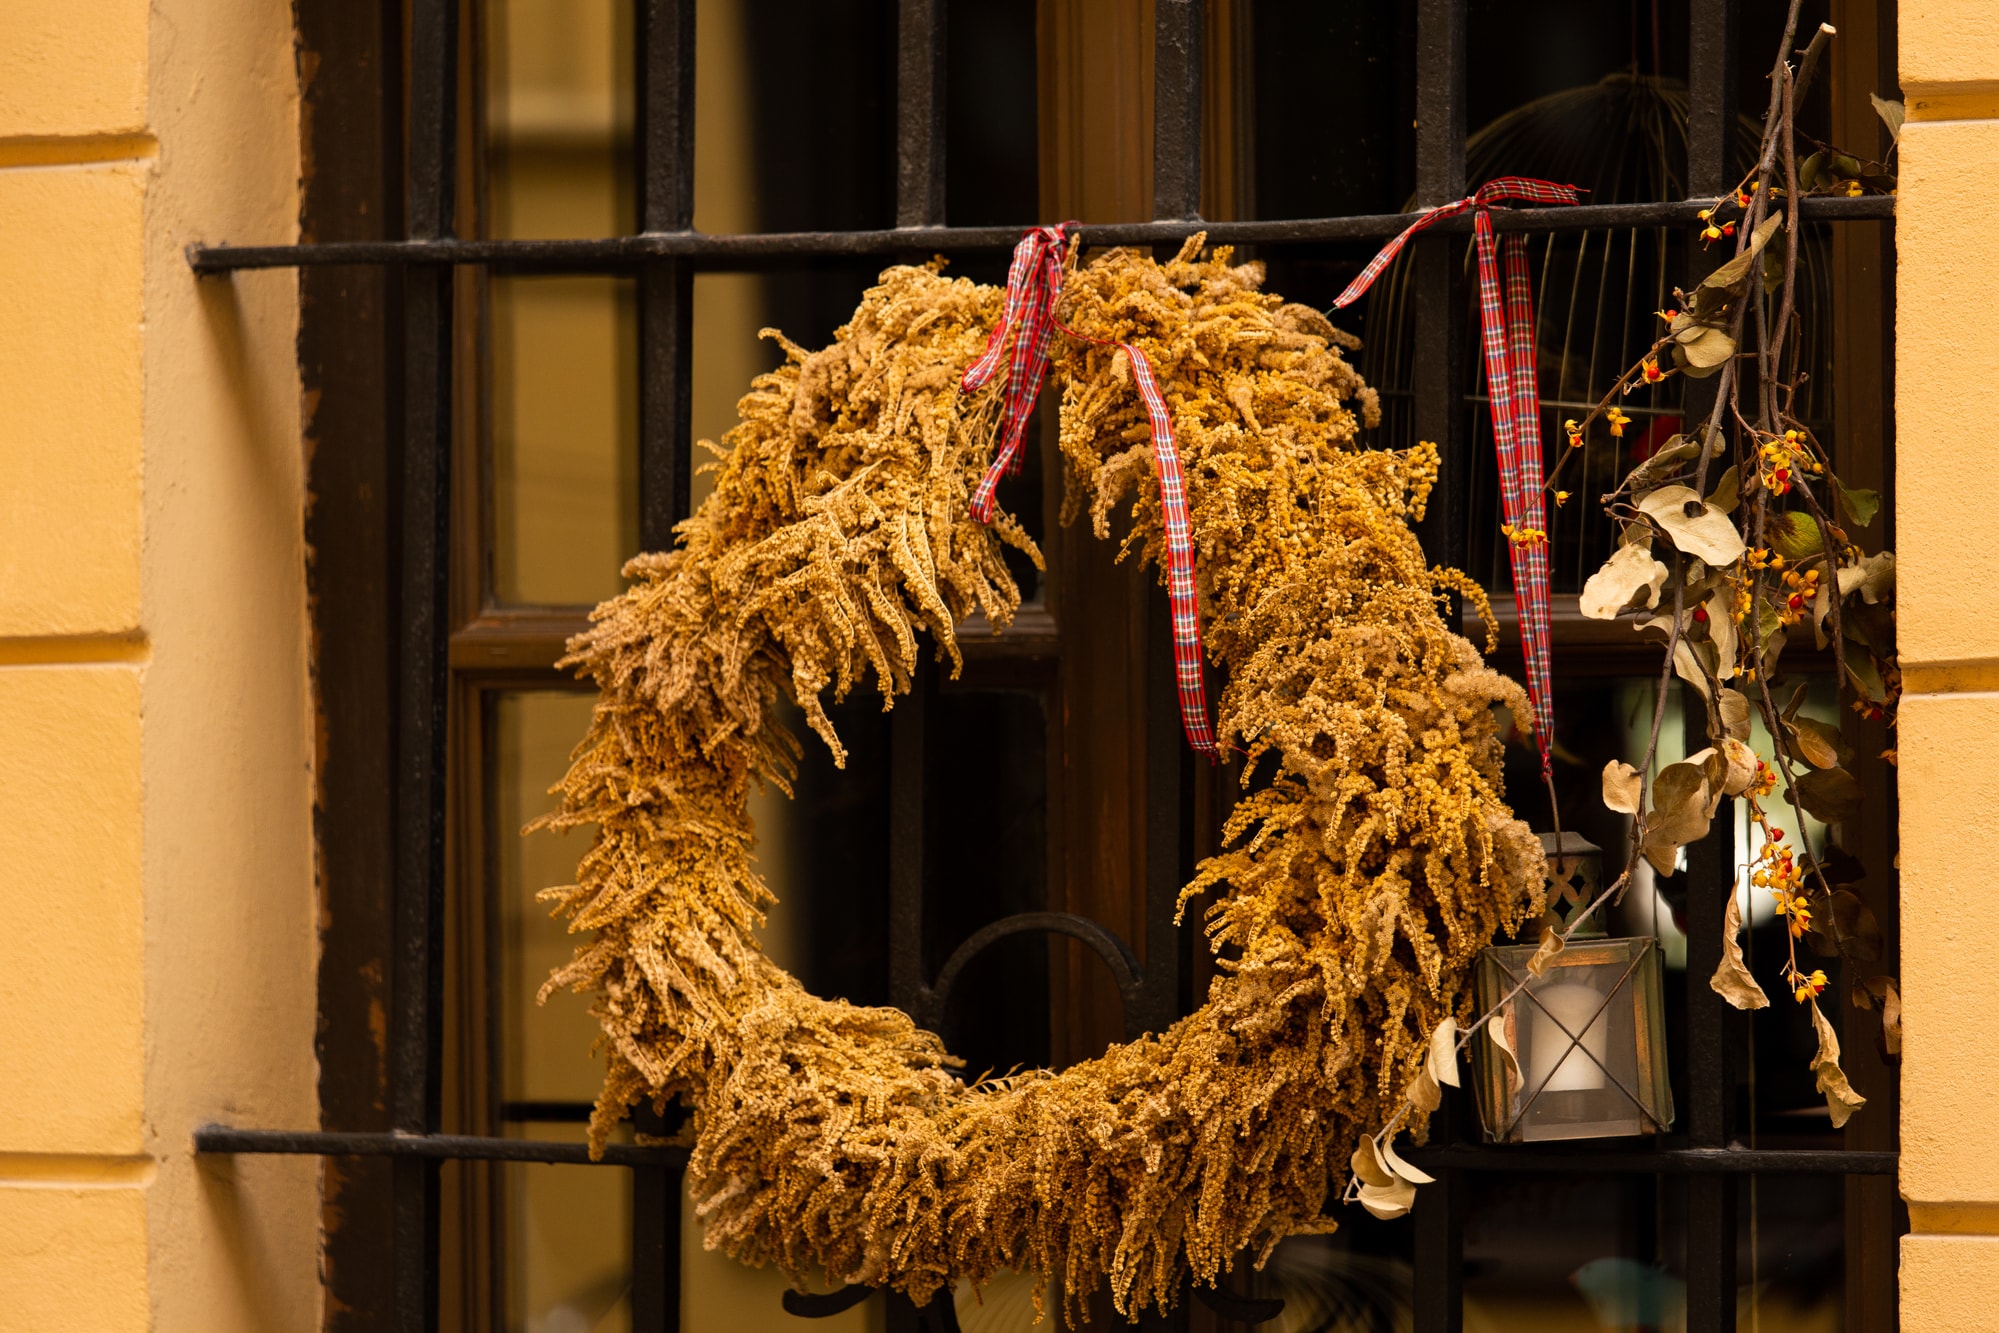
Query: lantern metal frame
(1504,981)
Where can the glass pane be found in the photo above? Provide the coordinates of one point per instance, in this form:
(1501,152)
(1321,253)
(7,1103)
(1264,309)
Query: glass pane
(564,397)
(568,1243)
(992,164)
(567,1229)
(558,118)
(987,858)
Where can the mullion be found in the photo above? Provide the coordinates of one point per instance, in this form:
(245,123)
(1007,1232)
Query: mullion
(1176,194)
(665,168)
(1176,109)
(920,176)
(1439,334)
(919,115)
(423,692)
(1711,1200)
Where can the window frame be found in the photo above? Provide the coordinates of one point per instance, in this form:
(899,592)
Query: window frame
(451,645)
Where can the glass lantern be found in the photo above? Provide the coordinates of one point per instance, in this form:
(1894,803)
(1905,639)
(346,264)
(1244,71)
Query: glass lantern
(1588,1039)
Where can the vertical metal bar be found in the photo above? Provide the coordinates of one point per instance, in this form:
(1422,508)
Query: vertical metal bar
(1710,95)
(1438,1298)
(1176,108)
(656,1248)
(1711,1199)
(919,202)
(919,118)
(664,86)
(666,286)
(1439,416)
(1439,413)
(423,688)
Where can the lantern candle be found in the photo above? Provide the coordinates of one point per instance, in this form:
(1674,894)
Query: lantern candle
(1558,1062)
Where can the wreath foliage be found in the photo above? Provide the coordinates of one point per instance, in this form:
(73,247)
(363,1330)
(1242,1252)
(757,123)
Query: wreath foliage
(1356,887)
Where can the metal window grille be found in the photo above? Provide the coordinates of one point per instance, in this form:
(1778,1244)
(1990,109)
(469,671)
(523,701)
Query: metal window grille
(664,255)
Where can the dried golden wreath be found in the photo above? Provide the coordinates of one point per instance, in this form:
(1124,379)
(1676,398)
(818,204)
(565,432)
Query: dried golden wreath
(1352,895)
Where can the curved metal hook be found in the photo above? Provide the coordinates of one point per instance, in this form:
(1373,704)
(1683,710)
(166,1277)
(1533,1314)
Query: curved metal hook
(1106,944)
(941,1315)
(1242,1309)
(824,1304)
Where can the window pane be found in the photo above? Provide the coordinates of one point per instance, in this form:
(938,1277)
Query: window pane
(568,1243)
(564,401)
(567,1229)
(558,118)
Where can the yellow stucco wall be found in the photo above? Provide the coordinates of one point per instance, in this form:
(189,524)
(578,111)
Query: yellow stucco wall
(1947,284)
(156,912)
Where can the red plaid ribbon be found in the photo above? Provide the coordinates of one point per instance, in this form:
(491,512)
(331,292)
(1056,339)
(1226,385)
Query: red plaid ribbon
(1033,286)
(1506,304)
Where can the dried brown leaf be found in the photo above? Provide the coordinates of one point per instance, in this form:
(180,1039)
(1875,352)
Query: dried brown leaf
(1695,528)
(1630,571)
(1388,1202)
(1402,1169)
(1732,980)
(1809,739)
(1735,713)
(1443,1059)
(1552,945)
(1496,1032)
(1891,1017)
(1623,786)
(1367,1164)
(1840,1098)
(1873,578)
(1423,1092)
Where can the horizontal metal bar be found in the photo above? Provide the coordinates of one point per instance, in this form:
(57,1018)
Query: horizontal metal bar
(567,1113)
(760,250)
(1662,1161)
(459,1147)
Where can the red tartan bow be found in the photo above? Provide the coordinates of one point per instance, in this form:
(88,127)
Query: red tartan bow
(1033,285)
(1507,314)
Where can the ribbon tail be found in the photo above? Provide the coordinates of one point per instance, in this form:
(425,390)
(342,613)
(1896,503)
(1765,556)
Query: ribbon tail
(1182,585)
(1506,295)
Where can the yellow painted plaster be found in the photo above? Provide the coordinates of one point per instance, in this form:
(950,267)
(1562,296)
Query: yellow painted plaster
(230,920)
(1949,1283)
(71,274)
(1947,394)
(157,944)
(71,916)
(1945,43)
(1950,837)
(1947,243)
(72,1258)
(73,67)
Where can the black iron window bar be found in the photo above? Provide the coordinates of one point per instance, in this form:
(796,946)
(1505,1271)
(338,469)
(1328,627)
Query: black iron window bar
(664,255)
